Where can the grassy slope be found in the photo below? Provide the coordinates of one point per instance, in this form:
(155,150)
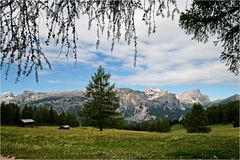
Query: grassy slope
(50,142)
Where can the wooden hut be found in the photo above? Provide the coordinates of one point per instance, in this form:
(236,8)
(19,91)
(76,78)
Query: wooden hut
(64,127)
(27,122)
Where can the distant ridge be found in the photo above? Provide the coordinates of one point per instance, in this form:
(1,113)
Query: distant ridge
(235,97)
(136,105)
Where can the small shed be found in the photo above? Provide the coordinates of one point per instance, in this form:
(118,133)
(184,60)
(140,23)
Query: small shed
(27,122)
(64,127)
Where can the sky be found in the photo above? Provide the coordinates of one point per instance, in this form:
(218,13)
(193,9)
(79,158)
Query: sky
(168,59)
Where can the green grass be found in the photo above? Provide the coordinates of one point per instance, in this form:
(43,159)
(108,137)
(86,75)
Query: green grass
(52,143)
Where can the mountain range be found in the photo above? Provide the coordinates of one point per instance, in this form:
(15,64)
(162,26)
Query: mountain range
(135,105)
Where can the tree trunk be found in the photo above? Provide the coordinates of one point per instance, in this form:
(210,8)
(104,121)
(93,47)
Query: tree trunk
(101,128)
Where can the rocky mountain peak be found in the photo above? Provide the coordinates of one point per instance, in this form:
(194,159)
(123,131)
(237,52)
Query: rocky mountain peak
(6,97)
(154,93)
(27,92)
(193,96)
(27,96)
(6,94)
(192,93)
(235,97)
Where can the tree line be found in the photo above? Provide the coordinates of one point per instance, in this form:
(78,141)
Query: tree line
(198,119)
(224,113)
(11,115)
(158,125)
(195,121)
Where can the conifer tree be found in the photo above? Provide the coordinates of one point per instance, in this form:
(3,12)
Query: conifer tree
(196,121)
(9,114)
(100,109)
(220,18)
(27,112)
(164,126)
(62,119)
(52,119)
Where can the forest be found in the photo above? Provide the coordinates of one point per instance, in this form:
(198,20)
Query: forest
(12,113)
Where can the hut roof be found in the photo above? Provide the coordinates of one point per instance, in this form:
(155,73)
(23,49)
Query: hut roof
(27,120)
(66,126)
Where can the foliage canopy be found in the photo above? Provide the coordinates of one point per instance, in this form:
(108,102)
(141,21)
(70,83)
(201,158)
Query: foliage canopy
(20,41)
(220,18)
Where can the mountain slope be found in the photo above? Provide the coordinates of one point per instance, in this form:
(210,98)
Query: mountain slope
(6,97)
(187,98)
(232,98)
(135,105)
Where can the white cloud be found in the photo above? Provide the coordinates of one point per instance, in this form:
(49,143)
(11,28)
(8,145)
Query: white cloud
(168,57)
(44,72)
(62,82)
(211,73)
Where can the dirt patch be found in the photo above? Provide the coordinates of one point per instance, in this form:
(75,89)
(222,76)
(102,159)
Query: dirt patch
(6,158)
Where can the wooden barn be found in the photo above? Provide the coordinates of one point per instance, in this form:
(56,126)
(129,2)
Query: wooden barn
(27,122)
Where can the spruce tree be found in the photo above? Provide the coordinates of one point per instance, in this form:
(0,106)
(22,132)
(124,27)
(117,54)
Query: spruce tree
(196,121)
(9,114)
(100,109)
(27,112)
(52,119)
(164,126)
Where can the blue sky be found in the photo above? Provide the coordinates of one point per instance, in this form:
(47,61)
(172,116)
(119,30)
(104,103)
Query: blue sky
(168,60)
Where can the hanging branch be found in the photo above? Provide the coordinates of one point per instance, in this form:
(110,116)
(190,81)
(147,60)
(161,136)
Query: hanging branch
(20,42)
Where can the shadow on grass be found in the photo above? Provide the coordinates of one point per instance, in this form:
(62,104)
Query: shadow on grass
(203,154)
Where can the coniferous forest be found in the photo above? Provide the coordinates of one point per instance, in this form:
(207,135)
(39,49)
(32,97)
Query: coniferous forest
(11,115)
(218,114)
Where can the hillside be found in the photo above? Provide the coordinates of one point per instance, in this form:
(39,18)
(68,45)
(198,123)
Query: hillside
(232,98)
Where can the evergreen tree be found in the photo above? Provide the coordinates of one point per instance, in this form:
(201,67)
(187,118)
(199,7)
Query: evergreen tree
(17,115)
(236,122)
(214,115)
(164,126)
(196,120)
(71,120)
(152,126)
(52,119)
(41,116)
(4,113)
(100,110)
(27,112)
(224,113)
(235,113)
(62,119)
(220,18)
(9,114)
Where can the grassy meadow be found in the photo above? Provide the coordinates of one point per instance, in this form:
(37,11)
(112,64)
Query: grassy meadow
(51,143)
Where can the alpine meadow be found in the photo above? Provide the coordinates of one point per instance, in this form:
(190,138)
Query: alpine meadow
(119,79)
